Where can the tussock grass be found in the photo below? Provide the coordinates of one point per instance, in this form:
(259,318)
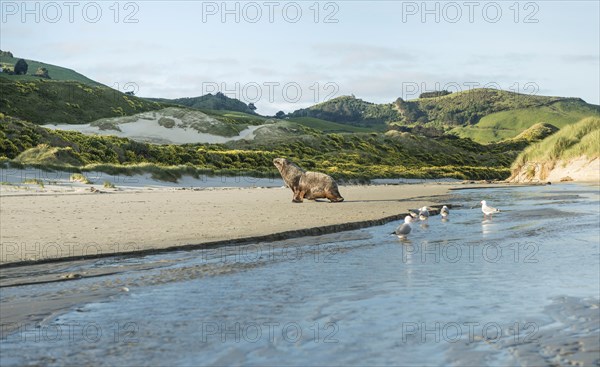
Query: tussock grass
(108,185)
(35,181)
(78,177)
(581,139)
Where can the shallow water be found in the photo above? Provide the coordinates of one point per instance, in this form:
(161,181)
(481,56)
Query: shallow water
(456,292)
(62,179)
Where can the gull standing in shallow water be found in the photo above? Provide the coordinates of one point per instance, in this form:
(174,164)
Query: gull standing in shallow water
(423,213)
(414,213)
(445,212)
(404,229)
(488,210)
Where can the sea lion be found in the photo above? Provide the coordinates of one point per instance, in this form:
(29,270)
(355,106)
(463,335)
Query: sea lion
(307,185)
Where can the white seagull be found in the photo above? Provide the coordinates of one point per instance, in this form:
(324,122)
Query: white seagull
(488,210)
(423,213)
(414,213)
(444,212)
(404,229)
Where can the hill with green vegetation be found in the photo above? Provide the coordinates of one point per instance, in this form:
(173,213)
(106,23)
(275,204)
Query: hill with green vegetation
(476,134)
(351,111)
(508,124)
(344,156)
(484,115)
(575,142)
(466,107)
(537,132)
(218,101)
(54,72)
(333,127)
(45,101)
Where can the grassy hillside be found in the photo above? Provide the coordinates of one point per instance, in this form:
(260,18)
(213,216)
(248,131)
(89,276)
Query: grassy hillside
(484,115)
(581,139)
(333,127)
(346,156)
(236,117)
(352,111)
(467,107)
(209,101)
(55,72)
(508,124)
(52,101)
(537,132)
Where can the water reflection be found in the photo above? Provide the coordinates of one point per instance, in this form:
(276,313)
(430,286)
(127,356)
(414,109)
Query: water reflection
(376,297)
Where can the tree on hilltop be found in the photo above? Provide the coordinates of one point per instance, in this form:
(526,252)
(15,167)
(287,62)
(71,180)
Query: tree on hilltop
(21,67)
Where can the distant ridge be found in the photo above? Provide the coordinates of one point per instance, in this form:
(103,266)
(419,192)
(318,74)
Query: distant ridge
(217,102)
(55,72)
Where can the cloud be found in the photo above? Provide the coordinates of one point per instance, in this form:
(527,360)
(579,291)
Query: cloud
(581,58)
(357,55)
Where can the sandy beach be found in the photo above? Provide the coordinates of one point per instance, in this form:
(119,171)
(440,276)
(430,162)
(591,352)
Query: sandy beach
(42,226)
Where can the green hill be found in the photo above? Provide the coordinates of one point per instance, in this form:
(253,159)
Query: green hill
(578,141)
(467,107)
(55,72)
(351,111)
(333,127)
(484,115)
(209,101)
(508,124)
(573,141)
(346,156)
(45,101)
(537,132)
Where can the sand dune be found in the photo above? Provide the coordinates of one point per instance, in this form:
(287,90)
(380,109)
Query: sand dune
(167,126)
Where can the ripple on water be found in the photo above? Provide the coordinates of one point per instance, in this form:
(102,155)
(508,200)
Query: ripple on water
(355,298)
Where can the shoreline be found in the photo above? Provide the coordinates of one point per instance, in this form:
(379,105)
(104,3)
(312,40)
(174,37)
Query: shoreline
(280,236)
(78,225)
(54,227)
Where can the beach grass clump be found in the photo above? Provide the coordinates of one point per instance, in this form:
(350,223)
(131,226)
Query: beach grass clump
(108,185)
(78,177)
(34,181)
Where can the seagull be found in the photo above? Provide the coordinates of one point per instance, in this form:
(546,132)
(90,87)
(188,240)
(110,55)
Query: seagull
(423,213)
(488,210)
(414,213)
(444,212)
(404,229)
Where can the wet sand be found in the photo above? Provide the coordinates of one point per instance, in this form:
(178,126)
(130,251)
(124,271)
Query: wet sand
(39,227)
(569,336)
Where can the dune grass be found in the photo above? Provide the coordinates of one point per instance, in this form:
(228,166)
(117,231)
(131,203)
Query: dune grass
(34,181)
(581,139)
(78,177)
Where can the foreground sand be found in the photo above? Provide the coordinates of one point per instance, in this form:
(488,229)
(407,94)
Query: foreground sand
(40,227)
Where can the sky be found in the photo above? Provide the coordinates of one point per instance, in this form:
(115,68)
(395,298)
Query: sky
(286,55)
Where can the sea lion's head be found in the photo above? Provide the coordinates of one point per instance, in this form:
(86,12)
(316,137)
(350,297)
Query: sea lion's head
(280,163)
